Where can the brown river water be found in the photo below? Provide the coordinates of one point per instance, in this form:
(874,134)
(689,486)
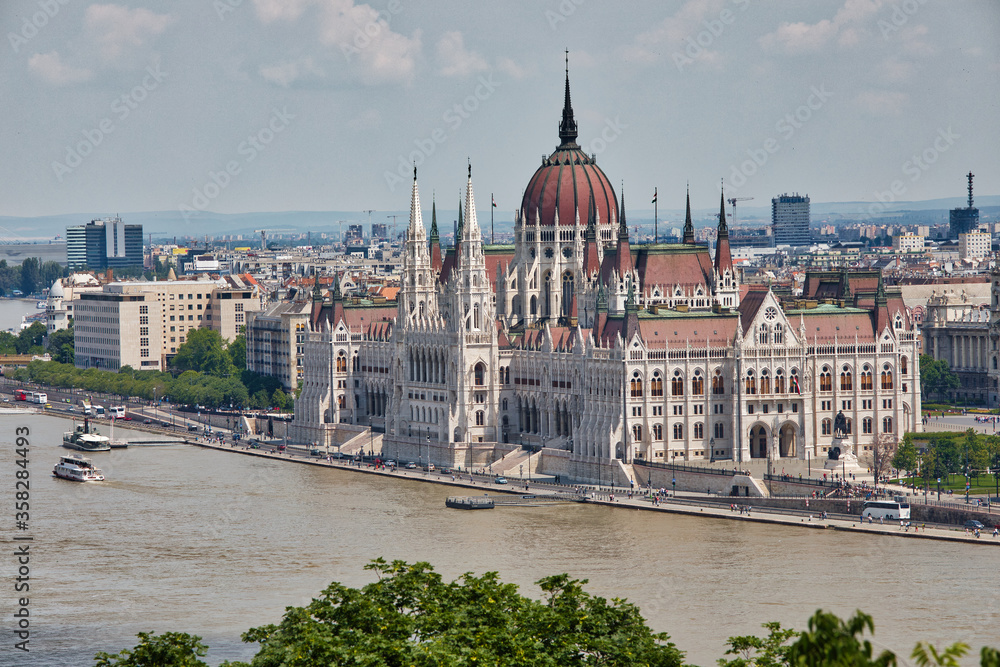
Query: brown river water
(185,539)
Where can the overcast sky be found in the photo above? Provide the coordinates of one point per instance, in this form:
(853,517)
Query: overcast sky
(276,105)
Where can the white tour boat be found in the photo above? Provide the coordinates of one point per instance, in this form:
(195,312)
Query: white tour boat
(85,440)
(78,469)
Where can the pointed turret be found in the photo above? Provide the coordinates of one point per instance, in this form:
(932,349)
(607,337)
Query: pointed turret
(591,260)
(688,224)
(723,257)
(624,254)
(470,228)
(435,239)
(567,128)
(415,231)
(338,302)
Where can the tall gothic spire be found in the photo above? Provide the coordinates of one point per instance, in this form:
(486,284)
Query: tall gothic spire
(723,257)
(567,128)
(470,231)
(416,228)
(622,225)
(688,224)
(434,221)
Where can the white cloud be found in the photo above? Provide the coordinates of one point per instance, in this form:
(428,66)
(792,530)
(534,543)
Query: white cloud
(511,69)
(116,29)
(50,68)
(914,42)
(676,33)
(454,59)
(896,70)
(846,27)
(357,32)
(287,73)
(882,102)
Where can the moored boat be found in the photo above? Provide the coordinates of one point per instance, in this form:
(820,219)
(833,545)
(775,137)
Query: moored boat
(82,439)
(77,469)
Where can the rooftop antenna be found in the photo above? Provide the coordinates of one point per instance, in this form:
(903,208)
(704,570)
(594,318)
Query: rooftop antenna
(970,176)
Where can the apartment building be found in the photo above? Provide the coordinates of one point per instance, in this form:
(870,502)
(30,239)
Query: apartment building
(141,324)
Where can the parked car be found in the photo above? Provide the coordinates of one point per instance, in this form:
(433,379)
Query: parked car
(500,480)
(972,524)
(192,427)
(315,452)
(411,466)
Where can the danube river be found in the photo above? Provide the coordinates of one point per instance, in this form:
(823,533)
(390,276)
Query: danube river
(187,539)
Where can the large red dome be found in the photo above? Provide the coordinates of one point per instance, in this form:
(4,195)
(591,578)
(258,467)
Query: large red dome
(564,184)
(566,180)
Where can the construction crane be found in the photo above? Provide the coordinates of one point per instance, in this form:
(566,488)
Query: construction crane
(732,201)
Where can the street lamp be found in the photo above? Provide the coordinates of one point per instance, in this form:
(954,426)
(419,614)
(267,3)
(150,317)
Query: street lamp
(427,471)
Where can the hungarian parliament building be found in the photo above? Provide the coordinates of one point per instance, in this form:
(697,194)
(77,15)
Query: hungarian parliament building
(593,352)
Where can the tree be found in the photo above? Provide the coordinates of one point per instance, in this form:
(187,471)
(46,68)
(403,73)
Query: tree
(29,341)
(883,449)
(906,456)
(238,352)
(171,649)
(279,399)
(30,276)
(60,345)
(753,651)
(410,616)
(830,642)
(204,351)
(936,376)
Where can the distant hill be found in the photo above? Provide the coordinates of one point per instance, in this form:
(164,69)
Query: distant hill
(168,224)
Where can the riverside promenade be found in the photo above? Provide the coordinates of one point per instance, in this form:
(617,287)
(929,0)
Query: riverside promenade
(693,504)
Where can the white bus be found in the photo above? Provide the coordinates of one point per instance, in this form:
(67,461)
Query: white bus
(118,411)
(39,397)
(893,510)
(99,411)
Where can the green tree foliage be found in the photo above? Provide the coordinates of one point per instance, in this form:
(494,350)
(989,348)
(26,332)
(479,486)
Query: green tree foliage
(29,341)
(926,655)
(205,352)
(411,617)
(833,642)
(238,352)
(279,399)
(60,345)
(753,651)
(171,649)
(906,455)
(31,277)
(936,377)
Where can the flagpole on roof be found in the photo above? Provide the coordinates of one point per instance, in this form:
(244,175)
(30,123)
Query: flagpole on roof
(493,205)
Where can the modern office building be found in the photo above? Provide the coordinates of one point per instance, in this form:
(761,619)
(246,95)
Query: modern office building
(962,220)
(790,219)
(141,324)
(103,244)
(974,245)
(908,243)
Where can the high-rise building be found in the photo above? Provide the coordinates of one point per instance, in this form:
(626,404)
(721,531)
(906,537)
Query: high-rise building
(790,219)
(102,244)
(963,220)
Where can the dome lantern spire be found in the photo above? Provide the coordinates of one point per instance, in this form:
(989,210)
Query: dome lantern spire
(567,128)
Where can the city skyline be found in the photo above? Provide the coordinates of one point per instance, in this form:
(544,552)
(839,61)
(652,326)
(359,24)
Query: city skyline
(325,104)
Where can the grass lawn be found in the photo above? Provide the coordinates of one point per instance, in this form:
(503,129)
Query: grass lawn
(982,484)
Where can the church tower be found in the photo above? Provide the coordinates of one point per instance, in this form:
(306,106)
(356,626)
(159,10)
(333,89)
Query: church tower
(418,295)
(472,323)
(727,286)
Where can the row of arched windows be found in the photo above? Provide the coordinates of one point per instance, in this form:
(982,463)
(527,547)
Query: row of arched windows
(780,384)
(698,430)
(636,388)
(847,377)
